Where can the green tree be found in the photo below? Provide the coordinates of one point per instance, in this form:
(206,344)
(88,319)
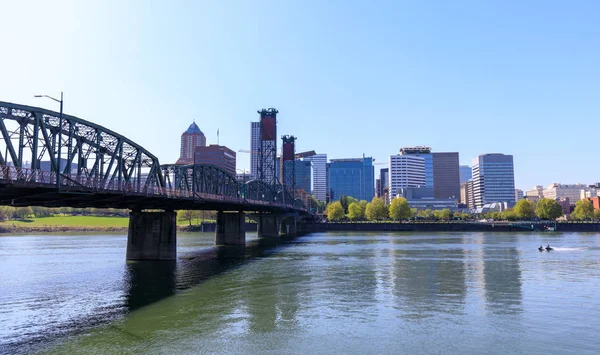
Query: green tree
(23,212)
(547,208)
(584,210)
(524,209)
(335,211)
(496,216)
(355,211)
(510,214)
(399,209)
(186,215)
(315,205)
(413,212)
(597,214)
(6,213)
(346,201)
(363,205)
(376,209)
(41,211)
(66,210)
(443,214)
(462,216)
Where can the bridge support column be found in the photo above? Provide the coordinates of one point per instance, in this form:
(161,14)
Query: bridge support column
(268,226)
(288,227)
(231,228)
(152,236)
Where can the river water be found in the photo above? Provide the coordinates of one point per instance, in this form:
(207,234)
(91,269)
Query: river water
(383,293)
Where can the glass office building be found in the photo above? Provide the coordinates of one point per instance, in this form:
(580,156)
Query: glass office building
(493,179)
(303,175)
(465,173)
(352,177)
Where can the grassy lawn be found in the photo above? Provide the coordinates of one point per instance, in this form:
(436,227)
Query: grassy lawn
(85,221)
(79,221)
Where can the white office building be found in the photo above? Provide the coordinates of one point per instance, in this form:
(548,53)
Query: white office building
(405,171)
(254,149)
(493,179)
(319,168)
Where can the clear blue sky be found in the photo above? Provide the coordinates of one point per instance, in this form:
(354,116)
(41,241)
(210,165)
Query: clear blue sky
(348,78)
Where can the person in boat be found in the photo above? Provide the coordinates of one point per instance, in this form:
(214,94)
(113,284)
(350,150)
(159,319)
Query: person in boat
(548,247)
(541,247)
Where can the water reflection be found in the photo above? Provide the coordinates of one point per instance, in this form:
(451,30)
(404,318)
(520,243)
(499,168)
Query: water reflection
(148,282)
(502,279)
(429,280)
(151,281)
(325,293)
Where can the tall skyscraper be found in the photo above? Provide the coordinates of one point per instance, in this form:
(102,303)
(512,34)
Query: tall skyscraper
(303,175)
(319,168)
(352,177)
(466,173)
(406,171)
(493,179)
(446,176)
(190,139)
(425,153)
(254,148)
(268,146)
(288,164)
(384,177)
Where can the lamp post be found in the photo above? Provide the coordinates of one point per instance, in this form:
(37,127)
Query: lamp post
(60,123)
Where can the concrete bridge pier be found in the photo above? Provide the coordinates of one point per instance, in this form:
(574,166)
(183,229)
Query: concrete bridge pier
(231,228)
(268,225)
(288,226)
(152,235)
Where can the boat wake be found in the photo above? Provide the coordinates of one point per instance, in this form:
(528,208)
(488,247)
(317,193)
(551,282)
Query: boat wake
(568,249)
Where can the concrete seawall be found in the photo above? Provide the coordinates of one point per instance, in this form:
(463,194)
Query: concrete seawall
(448,227)
(421,227)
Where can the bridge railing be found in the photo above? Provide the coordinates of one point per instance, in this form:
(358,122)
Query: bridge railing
(81,183)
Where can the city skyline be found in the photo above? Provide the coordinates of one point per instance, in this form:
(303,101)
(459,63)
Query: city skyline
(475,79)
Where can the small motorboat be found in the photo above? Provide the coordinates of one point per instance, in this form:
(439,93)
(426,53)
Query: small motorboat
(541,249)
(548,248)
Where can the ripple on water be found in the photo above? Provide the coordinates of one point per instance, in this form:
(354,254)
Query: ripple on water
(328,292)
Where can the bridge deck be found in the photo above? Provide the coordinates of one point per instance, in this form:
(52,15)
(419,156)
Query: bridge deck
(26,187)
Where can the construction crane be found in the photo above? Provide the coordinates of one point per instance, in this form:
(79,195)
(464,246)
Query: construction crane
(248,151)
(384,163)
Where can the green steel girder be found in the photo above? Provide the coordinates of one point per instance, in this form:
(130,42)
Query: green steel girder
(112,157)
(200,179)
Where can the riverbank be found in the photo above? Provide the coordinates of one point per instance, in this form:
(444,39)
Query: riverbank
(453,226)
(85,224)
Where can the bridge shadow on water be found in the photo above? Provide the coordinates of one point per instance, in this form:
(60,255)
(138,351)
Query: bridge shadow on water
(151,281)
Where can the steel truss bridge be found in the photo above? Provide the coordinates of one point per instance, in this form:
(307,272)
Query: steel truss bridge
(103,169)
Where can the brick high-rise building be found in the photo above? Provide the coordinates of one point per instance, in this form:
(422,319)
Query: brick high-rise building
(190,139)
(216,155)
(446,176)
